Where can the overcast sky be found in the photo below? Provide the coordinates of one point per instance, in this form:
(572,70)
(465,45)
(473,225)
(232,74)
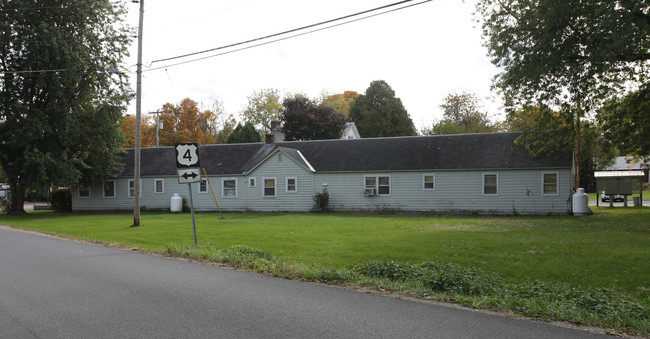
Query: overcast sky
(423,52)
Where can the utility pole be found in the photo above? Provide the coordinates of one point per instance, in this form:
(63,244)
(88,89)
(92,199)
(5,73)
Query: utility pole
(138,110)
(157,113)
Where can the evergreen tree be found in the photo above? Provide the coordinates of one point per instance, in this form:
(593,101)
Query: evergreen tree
(378,113)
(244,134)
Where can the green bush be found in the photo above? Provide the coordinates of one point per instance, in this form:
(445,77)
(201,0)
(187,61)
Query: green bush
(61,200)
(322,201)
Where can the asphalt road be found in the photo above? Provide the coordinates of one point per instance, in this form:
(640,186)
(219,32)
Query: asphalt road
(54,288)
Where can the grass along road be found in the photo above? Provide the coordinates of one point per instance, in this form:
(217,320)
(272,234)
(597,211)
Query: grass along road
(577,255)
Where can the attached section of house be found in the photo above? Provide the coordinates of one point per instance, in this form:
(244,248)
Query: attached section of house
(483,173)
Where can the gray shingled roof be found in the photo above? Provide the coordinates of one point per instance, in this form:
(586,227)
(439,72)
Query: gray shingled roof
(423,153)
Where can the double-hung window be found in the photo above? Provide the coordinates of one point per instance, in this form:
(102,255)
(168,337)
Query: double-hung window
(83,191)
(159,186)
(550,183)
(379,183)
(429,182)
(203,185)
(109,188)
(292,185)
(490,184)
(269,187)
(229,187)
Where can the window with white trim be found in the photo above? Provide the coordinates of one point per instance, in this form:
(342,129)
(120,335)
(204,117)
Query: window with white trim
(490,184)
(550,183)
(203,185)
(292,184)
(251,182)
(269,187)
(380,183)
(429,182)
(109,188)
(159,186)
(229,188)
(83,191)
(131,186)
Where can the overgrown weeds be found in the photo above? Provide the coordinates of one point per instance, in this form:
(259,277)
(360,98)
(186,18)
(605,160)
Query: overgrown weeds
(603,307)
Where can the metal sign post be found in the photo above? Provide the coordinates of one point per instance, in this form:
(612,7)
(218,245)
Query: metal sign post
(189,171)
(192,209)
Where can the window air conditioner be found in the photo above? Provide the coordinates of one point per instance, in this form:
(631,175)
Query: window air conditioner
(369,192)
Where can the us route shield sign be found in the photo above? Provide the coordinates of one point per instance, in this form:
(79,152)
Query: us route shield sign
(187,155)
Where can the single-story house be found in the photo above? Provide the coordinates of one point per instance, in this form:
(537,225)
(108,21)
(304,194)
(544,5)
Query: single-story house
(479,173)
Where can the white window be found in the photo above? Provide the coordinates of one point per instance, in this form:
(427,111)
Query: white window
(83,191)
(131,186)
(203,185)
(380,184)
(550,183)
(159,186)
(292,185)
(490,184)
(109,188)
(251,182)
(429,182)
(229,188)
(269,187)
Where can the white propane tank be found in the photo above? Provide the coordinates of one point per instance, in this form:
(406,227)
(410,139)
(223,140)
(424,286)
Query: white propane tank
(176,203)
(581,202)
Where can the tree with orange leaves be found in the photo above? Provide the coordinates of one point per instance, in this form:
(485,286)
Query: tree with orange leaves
(148,131)
(341,102)
(186,122)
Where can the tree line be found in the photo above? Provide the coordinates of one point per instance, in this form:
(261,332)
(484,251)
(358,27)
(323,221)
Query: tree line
(574,76)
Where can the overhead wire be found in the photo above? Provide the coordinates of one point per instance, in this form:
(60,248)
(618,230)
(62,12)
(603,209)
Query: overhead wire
(279,34)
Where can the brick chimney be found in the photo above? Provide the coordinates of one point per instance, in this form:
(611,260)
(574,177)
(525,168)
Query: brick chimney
(270,138)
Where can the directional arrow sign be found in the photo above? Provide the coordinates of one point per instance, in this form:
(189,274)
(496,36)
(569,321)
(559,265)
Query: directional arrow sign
(189,175)
(187,155)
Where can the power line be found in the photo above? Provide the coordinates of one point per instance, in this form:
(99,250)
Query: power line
(285,33)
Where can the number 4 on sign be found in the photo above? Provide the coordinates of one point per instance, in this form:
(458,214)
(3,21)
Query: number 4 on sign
(187,155)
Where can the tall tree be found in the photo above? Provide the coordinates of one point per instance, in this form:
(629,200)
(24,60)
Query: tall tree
(626,121)
(557,51)
(147,131)
(262,108)
(341,102)
(549,133)
(304,120)
(60,107)
(186,122)
(378,113)
(462,113)
(245,133)
(571,54)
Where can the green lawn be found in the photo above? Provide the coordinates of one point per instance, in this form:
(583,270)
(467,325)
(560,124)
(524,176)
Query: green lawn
(610,249)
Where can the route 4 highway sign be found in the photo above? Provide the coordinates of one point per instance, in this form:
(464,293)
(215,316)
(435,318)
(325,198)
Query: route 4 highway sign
(189,175)
(187,155)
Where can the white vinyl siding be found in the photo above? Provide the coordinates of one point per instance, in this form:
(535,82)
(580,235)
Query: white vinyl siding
(550,183)
(108,189)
